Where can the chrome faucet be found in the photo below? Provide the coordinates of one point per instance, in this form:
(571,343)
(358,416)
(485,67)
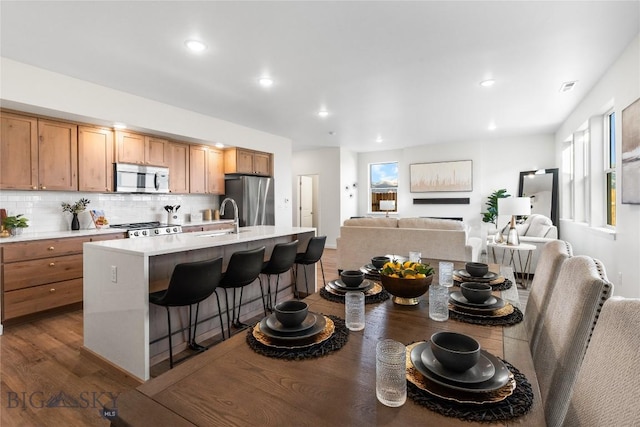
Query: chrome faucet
(236,220)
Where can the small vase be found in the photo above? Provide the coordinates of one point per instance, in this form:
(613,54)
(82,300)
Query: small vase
(75,223)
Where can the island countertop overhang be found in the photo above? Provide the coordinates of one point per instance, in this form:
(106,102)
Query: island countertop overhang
(172,243)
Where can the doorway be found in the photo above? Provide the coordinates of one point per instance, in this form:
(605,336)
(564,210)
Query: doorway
(307,201)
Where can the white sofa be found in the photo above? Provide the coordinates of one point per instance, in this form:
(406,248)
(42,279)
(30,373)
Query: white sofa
(535,230)
(363,238)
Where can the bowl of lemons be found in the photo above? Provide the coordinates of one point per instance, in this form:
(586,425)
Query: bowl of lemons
(406,281)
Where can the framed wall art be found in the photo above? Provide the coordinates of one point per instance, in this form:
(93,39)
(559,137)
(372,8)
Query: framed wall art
(631,154)
(441,176)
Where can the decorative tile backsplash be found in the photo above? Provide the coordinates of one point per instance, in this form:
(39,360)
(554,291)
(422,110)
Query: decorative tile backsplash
(45,213)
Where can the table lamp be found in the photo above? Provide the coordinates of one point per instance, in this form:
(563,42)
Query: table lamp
(514,206)
(387,205)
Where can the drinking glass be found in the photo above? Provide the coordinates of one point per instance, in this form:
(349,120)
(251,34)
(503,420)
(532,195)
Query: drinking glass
(354,310)
(415,256)
(438,302)
(445,271)
(391,379)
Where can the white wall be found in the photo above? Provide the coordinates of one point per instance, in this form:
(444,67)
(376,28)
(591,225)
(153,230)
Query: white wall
(348,177)
(619,87)
(36,90)
(324,163)
(496,164)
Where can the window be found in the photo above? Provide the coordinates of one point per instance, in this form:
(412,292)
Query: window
(383,187)
(610,167)
(567,179)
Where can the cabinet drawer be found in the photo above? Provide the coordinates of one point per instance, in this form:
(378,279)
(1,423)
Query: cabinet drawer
(24,274)
(42,249)
(40,298)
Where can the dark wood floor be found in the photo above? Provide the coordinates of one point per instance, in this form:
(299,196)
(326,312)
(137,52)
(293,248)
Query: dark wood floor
(46,380)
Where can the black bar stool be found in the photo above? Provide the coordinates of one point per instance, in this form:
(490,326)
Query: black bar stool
(190,283)
(243,269)
(313,254)
(282,258)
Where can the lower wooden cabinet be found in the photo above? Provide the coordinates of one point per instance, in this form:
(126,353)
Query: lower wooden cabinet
(41,275)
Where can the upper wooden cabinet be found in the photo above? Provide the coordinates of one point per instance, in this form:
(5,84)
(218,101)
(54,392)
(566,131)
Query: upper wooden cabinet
(95,159)
(38,154)
(215,171)
(18,152)
(206,170)
(178,168)
(141,149)
(241,160)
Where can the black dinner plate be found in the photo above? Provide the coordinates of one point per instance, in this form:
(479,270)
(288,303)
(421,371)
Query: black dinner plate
(318,327)
(481,371)
(499,379)
(493,303)
(339,285)
(486,278)
(274,324)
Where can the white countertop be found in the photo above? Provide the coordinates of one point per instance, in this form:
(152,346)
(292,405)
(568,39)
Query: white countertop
(40,235)
(172,243)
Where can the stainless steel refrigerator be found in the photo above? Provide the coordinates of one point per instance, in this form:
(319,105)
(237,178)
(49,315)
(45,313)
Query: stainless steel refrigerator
(254,197)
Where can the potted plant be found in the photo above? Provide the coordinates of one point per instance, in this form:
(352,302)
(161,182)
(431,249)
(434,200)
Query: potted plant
(75,209)
(491,215)
(15,224)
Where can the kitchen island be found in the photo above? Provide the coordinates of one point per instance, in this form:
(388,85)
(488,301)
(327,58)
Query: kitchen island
(121,327)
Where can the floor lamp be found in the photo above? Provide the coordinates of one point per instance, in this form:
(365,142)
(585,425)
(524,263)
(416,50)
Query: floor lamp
(514,206)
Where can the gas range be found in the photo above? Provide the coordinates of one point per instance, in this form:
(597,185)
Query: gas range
(148,229)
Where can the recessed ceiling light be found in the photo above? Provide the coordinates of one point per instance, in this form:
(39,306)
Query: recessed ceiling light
(567,86)
(323,113)
(492,126)
(379,139)
(265,81)
(195,45)
(487,83)
(119,126)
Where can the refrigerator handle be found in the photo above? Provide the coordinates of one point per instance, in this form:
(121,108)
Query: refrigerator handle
(267,181)
(257,210)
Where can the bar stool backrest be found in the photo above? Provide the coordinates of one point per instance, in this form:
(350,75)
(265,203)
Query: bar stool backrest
(314,251)
(243,268)
(282,258)
(192,282)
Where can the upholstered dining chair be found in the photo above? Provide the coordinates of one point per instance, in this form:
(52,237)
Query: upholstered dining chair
(553,254)
(607,390)
(574,306)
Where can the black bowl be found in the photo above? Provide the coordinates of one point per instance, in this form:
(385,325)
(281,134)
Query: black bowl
(379,261)
(476,293)
(456,352)
(352,278)
(291,313)
(476,269)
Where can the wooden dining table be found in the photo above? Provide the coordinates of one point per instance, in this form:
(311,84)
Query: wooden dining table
(232,385)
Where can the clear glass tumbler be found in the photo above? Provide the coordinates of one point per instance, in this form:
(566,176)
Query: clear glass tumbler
(415,256)
(391,377)
(445,273)
(354,310)
(438,302)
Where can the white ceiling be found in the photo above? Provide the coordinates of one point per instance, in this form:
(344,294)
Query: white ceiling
(407,71)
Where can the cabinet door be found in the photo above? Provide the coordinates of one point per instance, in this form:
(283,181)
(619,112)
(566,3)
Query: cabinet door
(262,163)
(244,161)
(57,156)
(178,168)
(95,159)
(197,169)
(130,147)
(18,152)
(156,151)
(215,172)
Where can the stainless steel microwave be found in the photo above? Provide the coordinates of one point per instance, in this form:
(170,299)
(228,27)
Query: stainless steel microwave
(131,178)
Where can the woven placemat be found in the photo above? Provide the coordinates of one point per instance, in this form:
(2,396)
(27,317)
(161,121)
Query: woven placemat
(516,405)
(368,299)
(513,318)
(335,342)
